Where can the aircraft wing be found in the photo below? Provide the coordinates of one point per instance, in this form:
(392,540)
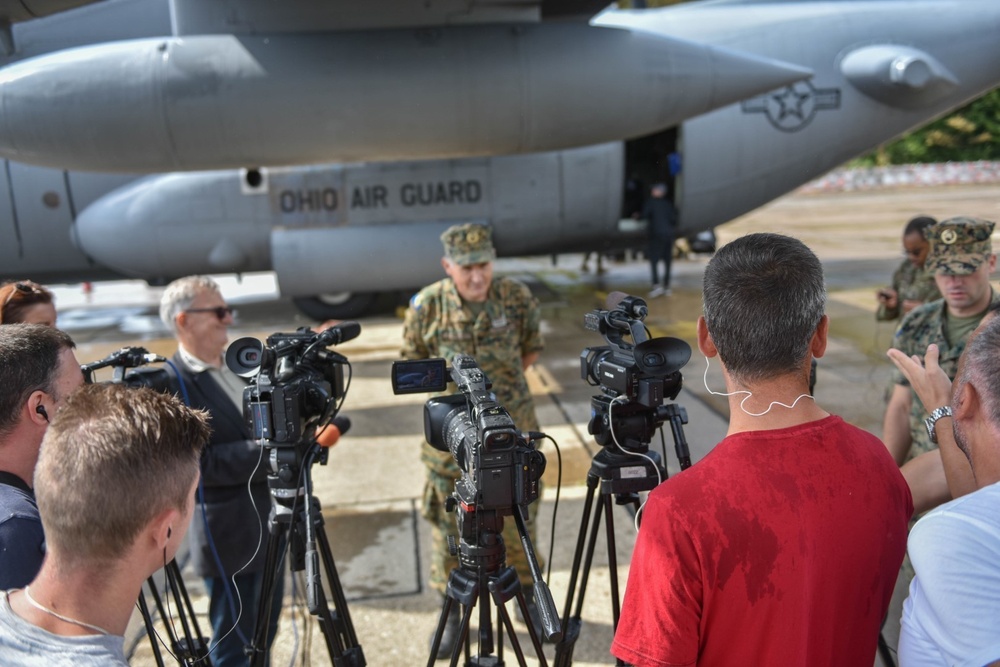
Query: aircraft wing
(252,82)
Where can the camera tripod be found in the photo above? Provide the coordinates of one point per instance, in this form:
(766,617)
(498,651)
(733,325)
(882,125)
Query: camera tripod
(190,647)
(623,476)
(296,520)
(480,576)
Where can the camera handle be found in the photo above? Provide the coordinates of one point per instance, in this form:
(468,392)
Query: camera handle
(543,596)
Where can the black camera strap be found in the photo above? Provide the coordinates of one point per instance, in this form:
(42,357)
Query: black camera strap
(10,479)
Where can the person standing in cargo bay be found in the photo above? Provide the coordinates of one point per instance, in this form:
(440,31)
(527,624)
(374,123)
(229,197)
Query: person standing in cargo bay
(495,320)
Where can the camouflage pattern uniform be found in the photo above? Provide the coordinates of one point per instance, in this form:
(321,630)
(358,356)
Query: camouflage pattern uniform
(910,283)
(921,327)
(958,246)
(439,324)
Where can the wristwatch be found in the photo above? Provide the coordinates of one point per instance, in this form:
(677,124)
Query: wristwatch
(943,411)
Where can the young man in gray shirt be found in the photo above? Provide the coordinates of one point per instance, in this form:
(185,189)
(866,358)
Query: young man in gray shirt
(115,485)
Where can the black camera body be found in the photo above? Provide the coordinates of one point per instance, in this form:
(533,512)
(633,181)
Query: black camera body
(500,468)
(298,382)
(645,371)
(635,377)
(131,369)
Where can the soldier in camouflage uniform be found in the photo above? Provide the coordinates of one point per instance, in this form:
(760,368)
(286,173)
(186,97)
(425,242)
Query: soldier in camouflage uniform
(497,322)
(913,282)
(962,258)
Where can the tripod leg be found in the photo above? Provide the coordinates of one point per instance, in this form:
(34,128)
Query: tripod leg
(194,645)
(578,552)
(504,617)
(573,624)
(148,622)
(463,635)
(341,617)
(436,642)
(609,523)
(272,568)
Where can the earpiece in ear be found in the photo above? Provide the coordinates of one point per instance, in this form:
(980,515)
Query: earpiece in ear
(41,410)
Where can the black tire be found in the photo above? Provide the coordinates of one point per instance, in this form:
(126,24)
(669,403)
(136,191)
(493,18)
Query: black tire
(703,242)
(340,306)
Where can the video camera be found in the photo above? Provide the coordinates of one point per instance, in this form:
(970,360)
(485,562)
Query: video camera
(501,471)
(298,382)
(500,467)
(135,358)
(634,376)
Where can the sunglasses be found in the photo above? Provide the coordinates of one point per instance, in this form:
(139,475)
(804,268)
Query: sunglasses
(220,311)
(21,291)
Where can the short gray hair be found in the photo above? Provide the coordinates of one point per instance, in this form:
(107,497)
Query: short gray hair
(764,296)
(981,367)
(180,294)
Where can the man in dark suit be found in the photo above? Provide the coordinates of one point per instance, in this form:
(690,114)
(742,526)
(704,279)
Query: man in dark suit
(228,538)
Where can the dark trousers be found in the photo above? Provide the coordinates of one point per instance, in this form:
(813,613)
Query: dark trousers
(223,608)
(661,249)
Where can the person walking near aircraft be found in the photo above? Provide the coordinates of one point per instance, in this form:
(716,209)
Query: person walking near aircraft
(497,321)
(661,218)
(28,302)
(912,284)
(780,547)
(227,541)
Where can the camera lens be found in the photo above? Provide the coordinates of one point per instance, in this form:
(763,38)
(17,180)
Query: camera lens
(249,357)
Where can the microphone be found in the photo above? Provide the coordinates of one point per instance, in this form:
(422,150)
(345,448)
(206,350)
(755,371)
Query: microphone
(128,357)
(614,298)
(337,427)
(340,333)
(633,306)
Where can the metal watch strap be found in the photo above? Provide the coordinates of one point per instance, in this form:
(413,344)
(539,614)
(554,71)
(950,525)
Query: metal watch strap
(943,411)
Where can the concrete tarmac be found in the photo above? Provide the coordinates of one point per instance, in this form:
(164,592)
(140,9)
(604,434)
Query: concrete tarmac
(370,491)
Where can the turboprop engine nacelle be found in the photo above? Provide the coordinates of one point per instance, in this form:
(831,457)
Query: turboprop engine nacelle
(214,101)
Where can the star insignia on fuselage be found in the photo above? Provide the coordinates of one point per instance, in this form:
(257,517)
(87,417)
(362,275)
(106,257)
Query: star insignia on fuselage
(791,108)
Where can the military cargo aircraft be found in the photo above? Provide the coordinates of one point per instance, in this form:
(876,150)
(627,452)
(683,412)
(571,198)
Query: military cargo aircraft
(546,119)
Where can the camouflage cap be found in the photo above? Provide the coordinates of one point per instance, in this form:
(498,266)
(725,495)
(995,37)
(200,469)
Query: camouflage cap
(959,245)
(468,244)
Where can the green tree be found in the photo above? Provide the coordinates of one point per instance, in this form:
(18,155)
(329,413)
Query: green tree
(970,133)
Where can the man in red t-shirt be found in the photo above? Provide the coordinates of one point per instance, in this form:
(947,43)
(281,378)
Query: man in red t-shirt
(781,546)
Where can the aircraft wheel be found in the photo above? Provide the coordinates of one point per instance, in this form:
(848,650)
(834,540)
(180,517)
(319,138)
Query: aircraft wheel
(338,306)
